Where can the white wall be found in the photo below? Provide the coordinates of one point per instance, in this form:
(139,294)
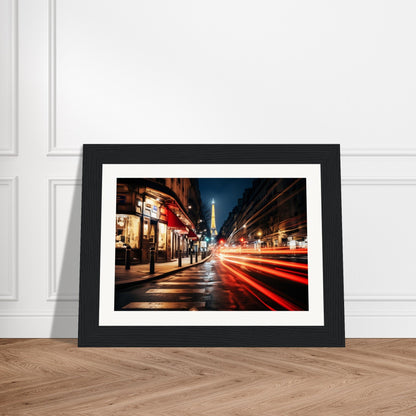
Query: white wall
(101,71)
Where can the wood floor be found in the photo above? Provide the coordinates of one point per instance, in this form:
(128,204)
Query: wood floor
(54,377)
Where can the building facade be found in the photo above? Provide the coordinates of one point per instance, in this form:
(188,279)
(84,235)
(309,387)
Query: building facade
(156,213)
(272,213)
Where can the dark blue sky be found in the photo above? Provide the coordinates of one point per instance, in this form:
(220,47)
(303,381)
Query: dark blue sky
(226,192)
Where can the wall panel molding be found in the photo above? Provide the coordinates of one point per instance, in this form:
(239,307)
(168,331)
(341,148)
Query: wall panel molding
(379,298)
(37,313)
(66,326)
(386,180)
(363,312)
(11,294)
(53,281)
(369,309)
(52,151)
(379,313)
(350,311)
(377,152)
(383,306)
(12,61)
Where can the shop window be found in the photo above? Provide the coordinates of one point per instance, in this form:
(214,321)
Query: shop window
(146,228)
(162,236)
(127,231)
(139,205)
(152,233)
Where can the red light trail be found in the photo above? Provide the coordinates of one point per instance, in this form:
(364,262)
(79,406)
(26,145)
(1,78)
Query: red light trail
(283,250)
(290,264)
(270,271)
(268,293)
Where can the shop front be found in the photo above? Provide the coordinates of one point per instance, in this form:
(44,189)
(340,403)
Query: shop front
(148,219)
(162,240)
(151,213)
(128,238)
(178,232)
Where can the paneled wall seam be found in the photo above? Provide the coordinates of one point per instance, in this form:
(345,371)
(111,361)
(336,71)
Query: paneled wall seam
(52,79)
(377,152)
(13,149)
(381,313)
(354,313)
(377,298)
(12,295)
(379,180)
(52,286)
(37,313)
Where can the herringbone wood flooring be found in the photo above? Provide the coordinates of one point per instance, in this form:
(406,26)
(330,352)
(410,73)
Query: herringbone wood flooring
(54,377)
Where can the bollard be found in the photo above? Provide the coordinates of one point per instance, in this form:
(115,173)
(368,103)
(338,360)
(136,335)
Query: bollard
(152,260)
(179,258)
(190,257)
(196,255)
(127,259)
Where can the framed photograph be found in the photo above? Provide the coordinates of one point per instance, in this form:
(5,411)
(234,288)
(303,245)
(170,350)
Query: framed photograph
(211,246)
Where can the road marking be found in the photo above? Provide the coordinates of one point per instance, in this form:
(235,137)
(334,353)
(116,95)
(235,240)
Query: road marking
(185,283)
(164,305)
(176,291)
(182,279)
(187,298)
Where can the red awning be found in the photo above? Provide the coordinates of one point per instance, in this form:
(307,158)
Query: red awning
(175,222)
(192,235)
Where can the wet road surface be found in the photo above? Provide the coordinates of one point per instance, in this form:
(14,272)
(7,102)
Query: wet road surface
(233,282)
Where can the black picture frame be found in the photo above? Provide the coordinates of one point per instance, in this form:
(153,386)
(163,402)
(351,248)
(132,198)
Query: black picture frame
(331,334)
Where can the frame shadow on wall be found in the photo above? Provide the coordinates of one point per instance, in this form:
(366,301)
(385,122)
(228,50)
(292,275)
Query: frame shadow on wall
(66,275)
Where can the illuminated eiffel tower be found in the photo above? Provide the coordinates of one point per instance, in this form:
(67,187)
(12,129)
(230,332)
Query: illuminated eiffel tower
(213,226)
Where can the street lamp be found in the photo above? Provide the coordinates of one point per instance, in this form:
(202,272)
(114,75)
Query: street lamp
(198,247)
(199,235)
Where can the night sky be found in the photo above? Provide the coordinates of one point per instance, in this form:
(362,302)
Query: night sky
(226,192)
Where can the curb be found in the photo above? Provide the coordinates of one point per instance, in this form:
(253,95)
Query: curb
(158,276)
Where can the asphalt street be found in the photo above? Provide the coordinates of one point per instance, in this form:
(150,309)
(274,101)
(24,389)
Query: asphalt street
(225,283)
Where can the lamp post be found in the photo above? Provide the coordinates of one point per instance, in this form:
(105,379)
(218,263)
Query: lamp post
(259,234)
(198,246)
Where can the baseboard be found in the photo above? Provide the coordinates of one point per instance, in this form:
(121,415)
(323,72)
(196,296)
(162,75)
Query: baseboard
(38,326)
(380,326)
(396,326)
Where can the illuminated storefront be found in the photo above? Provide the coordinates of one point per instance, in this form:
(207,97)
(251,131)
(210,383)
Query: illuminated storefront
(148,218)
(127,236)
(161,244)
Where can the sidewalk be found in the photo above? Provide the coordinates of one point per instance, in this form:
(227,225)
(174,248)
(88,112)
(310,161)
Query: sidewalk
(140,272)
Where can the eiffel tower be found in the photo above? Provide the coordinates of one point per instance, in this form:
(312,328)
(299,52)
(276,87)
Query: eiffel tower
(213,226)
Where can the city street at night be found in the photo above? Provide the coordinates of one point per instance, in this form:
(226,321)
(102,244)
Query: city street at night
(213,244)
(229,280)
